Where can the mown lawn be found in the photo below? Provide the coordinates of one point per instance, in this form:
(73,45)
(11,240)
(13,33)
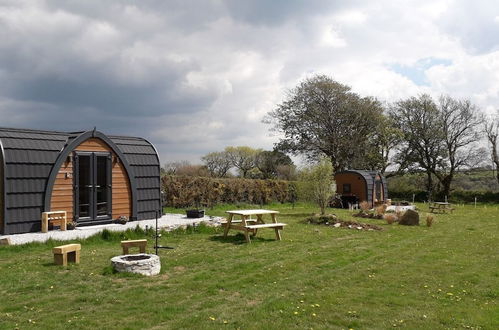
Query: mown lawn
(446,276)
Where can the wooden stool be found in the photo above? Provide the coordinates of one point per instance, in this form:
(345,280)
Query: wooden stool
(59,217)
(140,243)
(65,253)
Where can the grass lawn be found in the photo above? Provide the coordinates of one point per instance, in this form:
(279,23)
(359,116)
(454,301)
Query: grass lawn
(446,276)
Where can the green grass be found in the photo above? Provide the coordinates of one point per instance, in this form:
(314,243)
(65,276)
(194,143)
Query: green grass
(442,277)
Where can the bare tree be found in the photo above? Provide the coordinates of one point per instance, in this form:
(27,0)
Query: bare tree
(491,129)
(218,163)
(439,138)
(420,123)
(460,123)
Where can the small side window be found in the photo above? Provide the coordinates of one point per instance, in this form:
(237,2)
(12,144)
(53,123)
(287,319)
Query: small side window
(347,188)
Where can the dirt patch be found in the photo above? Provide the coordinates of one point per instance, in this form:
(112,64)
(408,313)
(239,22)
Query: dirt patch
(253,302)
(179,269)
(368,215)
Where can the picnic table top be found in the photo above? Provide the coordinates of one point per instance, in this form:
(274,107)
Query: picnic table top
(440,203)
(252,212)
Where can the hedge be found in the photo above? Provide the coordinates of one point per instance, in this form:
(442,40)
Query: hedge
(463,196)
(189,191)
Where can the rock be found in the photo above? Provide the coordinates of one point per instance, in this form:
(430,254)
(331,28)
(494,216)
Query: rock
(409,218)
(359,228)
(338,224)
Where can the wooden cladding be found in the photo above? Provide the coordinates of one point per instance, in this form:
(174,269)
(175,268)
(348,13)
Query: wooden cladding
(356,183)
(62,198)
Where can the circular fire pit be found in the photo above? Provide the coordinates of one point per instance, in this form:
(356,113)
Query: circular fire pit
(145,264)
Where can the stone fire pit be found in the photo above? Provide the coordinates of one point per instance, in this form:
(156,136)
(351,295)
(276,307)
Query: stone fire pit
(145,264)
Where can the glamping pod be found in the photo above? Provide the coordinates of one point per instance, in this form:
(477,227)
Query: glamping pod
(357,186)
(95,178)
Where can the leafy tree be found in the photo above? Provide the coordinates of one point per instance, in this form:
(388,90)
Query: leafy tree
(323,117)
(317,183)
(243,158)
(218,163)
(268,162)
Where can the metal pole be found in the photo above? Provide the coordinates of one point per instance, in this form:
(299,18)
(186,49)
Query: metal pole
(156,232)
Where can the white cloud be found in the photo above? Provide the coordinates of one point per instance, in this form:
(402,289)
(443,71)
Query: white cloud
(196,81)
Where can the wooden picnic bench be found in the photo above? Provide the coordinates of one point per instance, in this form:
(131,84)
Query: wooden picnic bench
(250,226)
(440,207)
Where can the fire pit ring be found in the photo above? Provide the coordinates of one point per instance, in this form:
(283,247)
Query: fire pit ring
(145,264)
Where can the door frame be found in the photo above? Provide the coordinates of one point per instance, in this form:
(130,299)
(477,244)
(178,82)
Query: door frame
(93,218)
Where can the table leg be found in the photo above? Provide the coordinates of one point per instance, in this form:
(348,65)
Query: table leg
(245,230)
(227,225)
(277,234)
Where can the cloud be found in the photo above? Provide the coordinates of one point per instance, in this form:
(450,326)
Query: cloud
(196,76)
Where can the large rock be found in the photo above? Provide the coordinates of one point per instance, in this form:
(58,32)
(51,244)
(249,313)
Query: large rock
(410,218)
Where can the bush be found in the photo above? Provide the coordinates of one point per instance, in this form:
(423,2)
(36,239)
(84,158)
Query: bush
(186,191)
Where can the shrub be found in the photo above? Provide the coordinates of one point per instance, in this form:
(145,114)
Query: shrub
(429,220)
(186,191)
(390,218)
(380,210)
(364,206)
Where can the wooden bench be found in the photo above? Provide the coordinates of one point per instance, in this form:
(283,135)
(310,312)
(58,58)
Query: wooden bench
(224,223)
(140,243)
(65,253)
(59,217)
(277,226)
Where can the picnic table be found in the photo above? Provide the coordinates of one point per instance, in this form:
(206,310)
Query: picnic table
(249,225)
(440,207)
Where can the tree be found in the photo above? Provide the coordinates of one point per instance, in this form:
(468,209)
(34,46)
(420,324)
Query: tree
(268,162)
(460,123)
(218,163)
(420,123)
(243,158)
(317,183)
(380,147)
(323,117)
(437,137)
(491,129)
(184,167)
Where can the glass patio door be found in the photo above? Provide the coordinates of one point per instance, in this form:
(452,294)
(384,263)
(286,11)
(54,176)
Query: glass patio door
(92,185)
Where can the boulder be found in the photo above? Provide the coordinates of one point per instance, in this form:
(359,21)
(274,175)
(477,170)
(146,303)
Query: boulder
(410,218)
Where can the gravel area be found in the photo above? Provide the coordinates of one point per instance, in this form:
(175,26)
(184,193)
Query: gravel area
(167,221)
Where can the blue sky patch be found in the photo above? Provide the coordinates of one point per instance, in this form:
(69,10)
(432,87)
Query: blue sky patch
(417,71)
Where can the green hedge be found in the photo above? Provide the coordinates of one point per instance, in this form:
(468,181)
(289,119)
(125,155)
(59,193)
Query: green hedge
(463,196)
(189,191)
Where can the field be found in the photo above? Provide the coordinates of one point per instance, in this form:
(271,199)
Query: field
(441,277)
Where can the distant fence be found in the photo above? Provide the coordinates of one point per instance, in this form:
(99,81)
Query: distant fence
(462,196)
(189,191)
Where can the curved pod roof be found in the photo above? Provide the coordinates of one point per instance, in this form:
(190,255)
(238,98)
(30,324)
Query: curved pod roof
(30,160)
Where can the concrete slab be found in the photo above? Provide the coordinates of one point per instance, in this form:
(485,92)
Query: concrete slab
(168,221)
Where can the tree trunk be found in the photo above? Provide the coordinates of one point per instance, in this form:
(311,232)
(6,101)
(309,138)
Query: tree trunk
(429,186)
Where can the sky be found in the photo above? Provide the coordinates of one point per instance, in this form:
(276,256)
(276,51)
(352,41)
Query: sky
(196,76)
